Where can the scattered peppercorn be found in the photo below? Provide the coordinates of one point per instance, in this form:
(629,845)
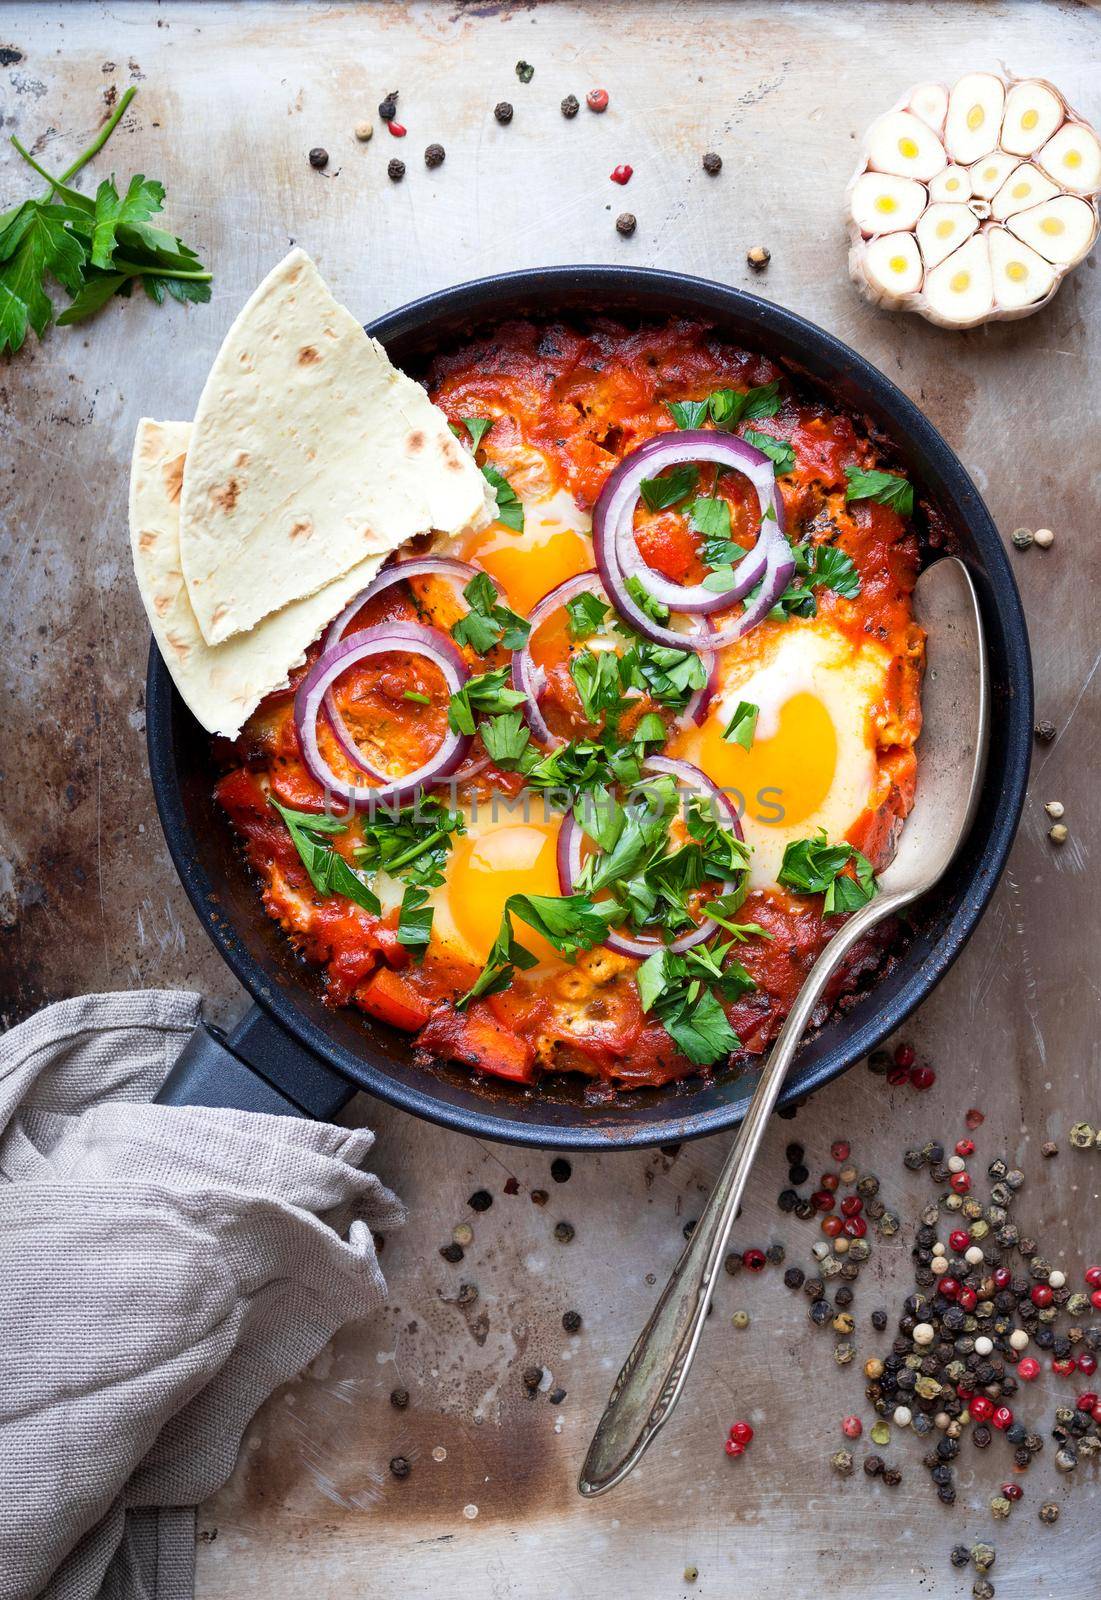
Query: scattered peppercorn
(452,1253)
(364,131)
(571,1321)
(1059,833)
(397,130)
(564,1232)
(570,106)
(532,1377)
(1022,538)
(982,1589)
(399,1399)
(468,1294)
(539,1197)
(480,1200)
(873,1466)
(960,1555)
(794,1277)
(1045,731)
(1048,1149)
(388,108)
(561,1170)
(319,157)
(1049,1512)
(597,99)
(395,170)
(434,155)
(1043,538)
(740,1319)
(622,174)
(758,257)
(712,163)
(525,71)
(842,1463)
(503,112)
(1081,1136)
(400,1467)
(556,1397)
(625,224)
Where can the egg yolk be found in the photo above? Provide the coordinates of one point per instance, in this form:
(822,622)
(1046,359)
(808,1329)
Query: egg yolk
(790,773)
(528,565)
(515,858)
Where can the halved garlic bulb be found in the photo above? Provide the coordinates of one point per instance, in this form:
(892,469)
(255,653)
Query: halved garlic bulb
(901,143)
(1062,230)
(947,219)
(881,201)
(1033,111)
(942,229)
(1073,158)
(974,118)
(1020,275)
(1026,186)
(954,183)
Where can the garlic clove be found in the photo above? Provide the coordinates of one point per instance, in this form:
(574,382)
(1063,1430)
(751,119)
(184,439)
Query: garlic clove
(892,264)
(942,229)
(929,101)
(974,117)
(988,175)
(1073,158)
(904,145)
(1021,277)
(954,183)
(881,202)
(1026,186)
(960,291)
(1062,229)
(1033,111)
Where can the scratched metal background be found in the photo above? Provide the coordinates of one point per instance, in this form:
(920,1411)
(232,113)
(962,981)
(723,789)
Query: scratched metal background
(231,99)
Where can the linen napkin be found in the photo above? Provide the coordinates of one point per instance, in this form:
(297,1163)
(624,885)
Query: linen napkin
(162,1270)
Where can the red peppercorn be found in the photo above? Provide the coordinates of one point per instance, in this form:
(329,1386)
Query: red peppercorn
(831,1226)
(1096,1413)
(967,1298)
(1012,1491)
(840,1150)
(1001,1418)
(981,1408)
(1086,1402)
(852,1427)
(1095,1299)
(852,1206)
(1040,1294)
(733,1448)
(898,1075)
(397,129)
(1002,1277)
(959,1239)
(753,1259)
(741,1433)
(965,1147)
(974,1119)
(822,1200)
(830,1181)
(961,1182)
(922,1077)
(1063,1367)
(1028,1368)
(597,99)
(1093,1277)
(1087,1364)
(905,1056)
(964,1394)
(949,1288)
(622,174)
(855,1228)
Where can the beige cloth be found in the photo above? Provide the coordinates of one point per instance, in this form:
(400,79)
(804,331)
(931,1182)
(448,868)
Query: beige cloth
(162,1270)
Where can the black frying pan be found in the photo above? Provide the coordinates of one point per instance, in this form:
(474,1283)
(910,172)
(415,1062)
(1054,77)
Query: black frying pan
(293,1053)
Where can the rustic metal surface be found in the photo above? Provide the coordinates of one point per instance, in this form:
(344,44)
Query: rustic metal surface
(231,99)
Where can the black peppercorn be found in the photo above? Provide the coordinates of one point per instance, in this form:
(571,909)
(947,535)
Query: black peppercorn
(794,1277)
(960,1556)
(561,1171)
(892,1477)
(556,1396)
(400,1467)
(625,224)
(844,1297)
(569,108)
(946,1494)
(434,155)
(452,1253)
(787,1200)
(879,1320)
(821,1311)
(399,1399)
(1045,732)
(388,108)
(503,112)
(980,1436)
(564,1232)
(395,170)
(319,157)
(480,1200)
(532,1377)
(712,163)
(873,1466)
(794,1153)
(571,1321)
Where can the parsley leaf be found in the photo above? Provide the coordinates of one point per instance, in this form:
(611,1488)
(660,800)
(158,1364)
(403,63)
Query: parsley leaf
(779,451)
(477,427)
(328,872)
(411,843)
(742,725)
(731,406)
(507,740)
(887,488)
(488,623)
(504,957)
(587,613)
(510,509)
(833,569)
(568,922)
(645,601)
(415,921)
(666,674)
(710,516)
(813,866)
(487,692)
(687,413)
(670,489)
(678,990)
(596,676)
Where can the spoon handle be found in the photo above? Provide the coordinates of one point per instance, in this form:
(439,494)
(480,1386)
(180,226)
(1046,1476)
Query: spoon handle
(655,1372)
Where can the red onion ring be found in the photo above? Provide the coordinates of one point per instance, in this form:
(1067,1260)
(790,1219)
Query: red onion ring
(411,638)
(770,562)
(418,567)
(700,702)
(568,857)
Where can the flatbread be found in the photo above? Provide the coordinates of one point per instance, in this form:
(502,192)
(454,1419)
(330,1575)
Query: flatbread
(310,452)
(221,684)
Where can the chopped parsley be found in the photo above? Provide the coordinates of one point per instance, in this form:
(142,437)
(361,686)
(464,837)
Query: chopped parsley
(644,600)
(415,921)
(488,623)
(779,451)
(685,991)
(596,677)
(477,427)
(727,407)
(507,740)
(670,489)
(742,725)
(510,508)
(887,488)
(817,566)
(814,866)
(412,843)
(568,922)
(587,614)
(328,871)
(688,413)
(710,516)
(488,692)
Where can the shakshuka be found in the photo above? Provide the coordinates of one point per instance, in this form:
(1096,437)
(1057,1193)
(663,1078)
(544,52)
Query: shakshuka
(589,790)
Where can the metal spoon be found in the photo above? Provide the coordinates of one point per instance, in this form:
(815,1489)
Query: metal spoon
(950,763)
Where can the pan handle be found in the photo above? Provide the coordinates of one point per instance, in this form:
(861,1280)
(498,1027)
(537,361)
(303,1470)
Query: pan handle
(257,1066)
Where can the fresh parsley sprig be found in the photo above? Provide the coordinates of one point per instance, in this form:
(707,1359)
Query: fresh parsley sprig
(814,866)
(488,693)
(568,922)
(94,247)
(727,407)
(685,992)
(488,623)
(887,488)
(327,869)
(510,508)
